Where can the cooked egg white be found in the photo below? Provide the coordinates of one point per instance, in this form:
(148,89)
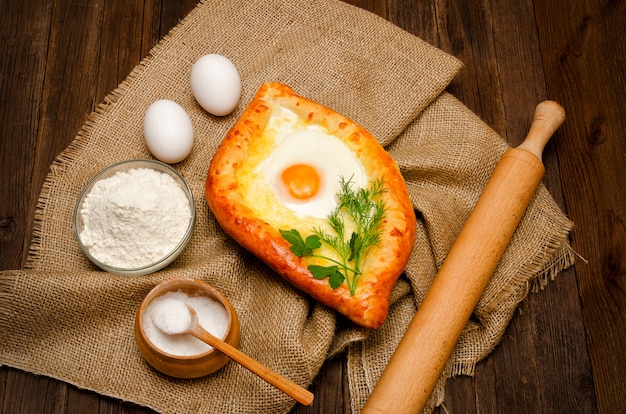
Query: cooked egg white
(325,155)
(284,198)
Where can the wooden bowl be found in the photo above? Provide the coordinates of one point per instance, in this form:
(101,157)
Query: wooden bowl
(186,366)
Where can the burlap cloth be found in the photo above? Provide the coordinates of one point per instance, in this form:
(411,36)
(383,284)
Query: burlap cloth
(64,318)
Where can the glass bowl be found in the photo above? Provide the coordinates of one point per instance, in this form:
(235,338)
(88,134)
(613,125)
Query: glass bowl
(78,224)
(191,366)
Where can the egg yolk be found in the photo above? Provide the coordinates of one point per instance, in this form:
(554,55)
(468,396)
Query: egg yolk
(302,181)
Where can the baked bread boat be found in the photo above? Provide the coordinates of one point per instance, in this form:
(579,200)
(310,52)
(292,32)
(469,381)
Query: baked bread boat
(317,198)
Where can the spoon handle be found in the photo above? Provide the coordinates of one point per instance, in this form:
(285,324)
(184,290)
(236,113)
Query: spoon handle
(290,388)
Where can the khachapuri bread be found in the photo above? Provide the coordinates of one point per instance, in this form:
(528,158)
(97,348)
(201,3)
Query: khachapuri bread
(317,198)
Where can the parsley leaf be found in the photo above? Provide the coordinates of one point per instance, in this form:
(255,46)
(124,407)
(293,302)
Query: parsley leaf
(335,277)
(321,272)
(299,246)
(335,280)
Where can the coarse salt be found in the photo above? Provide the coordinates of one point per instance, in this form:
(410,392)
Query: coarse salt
(172,317)
(212,316)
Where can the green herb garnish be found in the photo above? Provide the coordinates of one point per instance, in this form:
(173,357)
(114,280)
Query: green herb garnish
(364,209)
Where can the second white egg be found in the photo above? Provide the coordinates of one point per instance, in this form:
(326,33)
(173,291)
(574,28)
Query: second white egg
(168,131)
(216,85)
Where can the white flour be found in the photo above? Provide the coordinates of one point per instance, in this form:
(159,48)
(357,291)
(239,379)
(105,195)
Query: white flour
(134,218)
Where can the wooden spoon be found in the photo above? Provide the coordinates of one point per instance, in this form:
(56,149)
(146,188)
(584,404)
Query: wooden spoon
(184,325)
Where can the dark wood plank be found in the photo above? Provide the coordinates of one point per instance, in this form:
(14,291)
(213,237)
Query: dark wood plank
(465,31)
(585,59)
(172,12)
(31,394)
(330,389)
(121,49)
(68,92)
(22,67)
(541,342)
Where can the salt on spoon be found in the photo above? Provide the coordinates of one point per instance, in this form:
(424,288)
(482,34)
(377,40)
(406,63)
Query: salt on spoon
(172,317)
(177,318)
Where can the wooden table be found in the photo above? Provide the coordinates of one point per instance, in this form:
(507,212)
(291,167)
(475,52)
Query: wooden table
(564,352)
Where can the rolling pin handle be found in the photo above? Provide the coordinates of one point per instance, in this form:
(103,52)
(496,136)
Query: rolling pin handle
(548,117)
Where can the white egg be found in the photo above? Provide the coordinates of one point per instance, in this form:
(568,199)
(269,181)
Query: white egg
(216,85)
(320,157)
(168,131)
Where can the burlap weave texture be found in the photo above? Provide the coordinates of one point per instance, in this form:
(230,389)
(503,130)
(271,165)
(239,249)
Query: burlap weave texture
(64,318)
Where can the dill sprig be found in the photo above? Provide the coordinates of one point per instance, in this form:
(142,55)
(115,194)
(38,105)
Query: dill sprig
(365,210)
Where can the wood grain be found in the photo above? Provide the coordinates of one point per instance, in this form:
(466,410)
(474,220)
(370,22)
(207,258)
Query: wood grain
(584,63)
(564,352)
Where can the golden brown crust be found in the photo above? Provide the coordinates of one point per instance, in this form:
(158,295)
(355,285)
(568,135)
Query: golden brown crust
(368,307)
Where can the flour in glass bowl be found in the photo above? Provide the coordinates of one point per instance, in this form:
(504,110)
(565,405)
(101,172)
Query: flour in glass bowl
(134,218)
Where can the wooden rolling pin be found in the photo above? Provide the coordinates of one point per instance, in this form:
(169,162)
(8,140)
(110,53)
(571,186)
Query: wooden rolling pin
(410,377)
